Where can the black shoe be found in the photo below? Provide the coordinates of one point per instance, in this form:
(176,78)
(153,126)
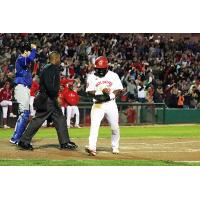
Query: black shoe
(23,146)
(68,146)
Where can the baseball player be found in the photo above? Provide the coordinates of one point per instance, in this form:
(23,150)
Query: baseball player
(62,99)
(104,86)
(33,91)
(23,81)
(6,103)
(72,99)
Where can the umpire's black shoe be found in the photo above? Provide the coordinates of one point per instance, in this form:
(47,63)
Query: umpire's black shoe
(23,146)
(68,146)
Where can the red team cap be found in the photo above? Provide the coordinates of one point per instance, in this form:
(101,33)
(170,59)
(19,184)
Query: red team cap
(101,62)
(72,98)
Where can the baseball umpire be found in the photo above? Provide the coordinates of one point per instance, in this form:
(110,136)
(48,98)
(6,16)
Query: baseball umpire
(23,81)
(46,104)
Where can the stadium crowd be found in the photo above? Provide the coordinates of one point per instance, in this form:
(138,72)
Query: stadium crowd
(153,69)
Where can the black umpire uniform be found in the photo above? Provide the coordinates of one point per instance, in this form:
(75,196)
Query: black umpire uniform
(46,105)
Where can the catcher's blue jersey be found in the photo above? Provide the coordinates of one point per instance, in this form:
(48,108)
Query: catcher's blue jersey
(23,74)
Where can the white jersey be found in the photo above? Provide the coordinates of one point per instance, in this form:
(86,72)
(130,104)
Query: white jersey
(110,81)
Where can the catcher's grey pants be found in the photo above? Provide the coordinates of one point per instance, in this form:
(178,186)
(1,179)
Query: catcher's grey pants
(22,95)
(59,121)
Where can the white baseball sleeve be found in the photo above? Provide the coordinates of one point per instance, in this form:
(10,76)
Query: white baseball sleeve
(117,83)
(90,84)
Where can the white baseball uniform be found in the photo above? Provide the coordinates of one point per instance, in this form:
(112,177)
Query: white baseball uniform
(32,110)
(108,109)
(4,104)
(71,112)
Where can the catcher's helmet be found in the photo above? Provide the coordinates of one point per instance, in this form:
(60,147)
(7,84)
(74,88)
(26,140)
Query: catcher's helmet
(101,62)
(101,66)
(25,46)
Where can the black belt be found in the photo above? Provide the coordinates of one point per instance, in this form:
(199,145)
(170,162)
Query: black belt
(104,101)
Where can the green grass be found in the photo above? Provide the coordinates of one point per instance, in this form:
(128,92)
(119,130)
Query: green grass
(186,131)
(95,163)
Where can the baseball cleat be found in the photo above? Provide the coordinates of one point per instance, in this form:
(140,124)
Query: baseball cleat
(23,146)
(13,141)
(68,146)
(91,152)
(115,151)
(77,126)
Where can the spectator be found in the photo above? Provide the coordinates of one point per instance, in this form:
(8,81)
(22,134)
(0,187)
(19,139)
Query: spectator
(173,98)
(141,93)
(131,88)
(150,94)
(158,96)
(181,99)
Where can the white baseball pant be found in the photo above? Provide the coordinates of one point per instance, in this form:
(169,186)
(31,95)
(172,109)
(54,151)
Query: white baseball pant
(110,111)
(71,111)
(4,104)
(32,111)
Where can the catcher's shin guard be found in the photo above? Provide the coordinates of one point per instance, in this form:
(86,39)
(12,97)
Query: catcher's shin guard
(20,126)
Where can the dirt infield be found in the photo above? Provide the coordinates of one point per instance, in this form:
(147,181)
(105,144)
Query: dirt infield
(130,149)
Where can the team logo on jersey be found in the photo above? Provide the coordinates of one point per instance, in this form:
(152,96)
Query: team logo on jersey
(100,63)
(108,83)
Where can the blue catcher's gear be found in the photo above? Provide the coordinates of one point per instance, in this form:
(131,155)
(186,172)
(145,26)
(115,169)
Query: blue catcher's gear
(23,74)
(25,46)
(23,79)
(20,126)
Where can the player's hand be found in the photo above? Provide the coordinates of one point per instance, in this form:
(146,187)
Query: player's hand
(102,98)
(33,46)
(106,91)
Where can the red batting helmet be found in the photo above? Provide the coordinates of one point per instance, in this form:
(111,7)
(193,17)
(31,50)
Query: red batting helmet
(71,97)
(101,62)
